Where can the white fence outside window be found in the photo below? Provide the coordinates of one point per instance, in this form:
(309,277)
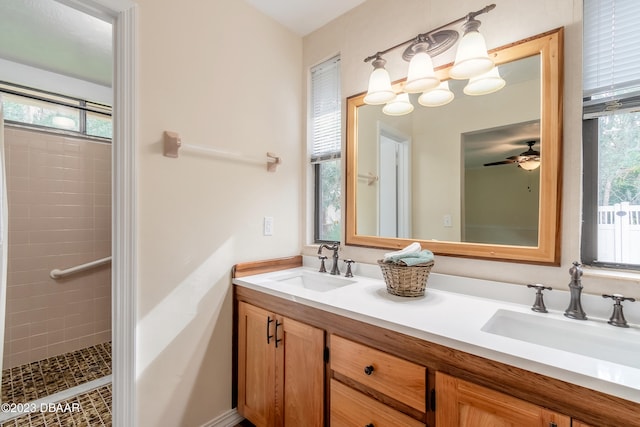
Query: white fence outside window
(619,233)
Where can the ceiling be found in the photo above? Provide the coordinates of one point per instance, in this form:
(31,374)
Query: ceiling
(49,35)
(304,16)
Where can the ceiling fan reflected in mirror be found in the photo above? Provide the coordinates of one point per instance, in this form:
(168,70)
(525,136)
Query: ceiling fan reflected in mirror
(528,160)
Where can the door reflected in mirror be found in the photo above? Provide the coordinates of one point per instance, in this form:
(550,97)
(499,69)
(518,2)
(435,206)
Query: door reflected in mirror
(422,176)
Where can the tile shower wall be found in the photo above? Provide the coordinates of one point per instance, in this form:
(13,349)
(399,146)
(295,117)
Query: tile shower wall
(59,196)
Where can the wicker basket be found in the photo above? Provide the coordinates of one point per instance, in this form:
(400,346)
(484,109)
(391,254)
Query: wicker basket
(405,281)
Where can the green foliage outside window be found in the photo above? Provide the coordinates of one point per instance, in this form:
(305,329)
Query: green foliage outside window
(619,159)
(330,194)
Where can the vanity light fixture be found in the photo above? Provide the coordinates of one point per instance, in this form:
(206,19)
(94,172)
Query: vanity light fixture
(437,97)
(421,76)
(380,90)
(472,60)
(399,106)
(485,84)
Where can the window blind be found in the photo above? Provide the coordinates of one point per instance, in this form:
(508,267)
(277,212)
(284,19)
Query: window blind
(611,63)
(325,110)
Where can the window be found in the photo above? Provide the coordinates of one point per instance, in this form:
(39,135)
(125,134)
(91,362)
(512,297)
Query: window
(611,134)
(47,110)
(325,125)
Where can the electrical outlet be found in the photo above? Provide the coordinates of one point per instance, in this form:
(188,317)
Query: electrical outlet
(268,226)
(446,220)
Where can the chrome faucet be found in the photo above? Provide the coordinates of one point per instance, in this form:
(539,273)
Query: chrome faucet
(335,247)
(575,310)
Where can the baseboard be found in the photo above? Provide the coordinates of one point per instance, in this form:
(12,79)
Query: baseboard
(227,419)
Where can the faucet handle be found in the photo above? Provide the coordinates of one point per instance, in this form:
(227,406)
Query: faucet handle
(348,273)
(323,269)
(618,298)
(617,317)
(538,305)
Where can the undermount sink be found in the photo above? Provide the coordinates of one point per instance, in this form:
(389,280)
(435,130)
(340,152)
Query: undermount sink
(319,282)
(588,338)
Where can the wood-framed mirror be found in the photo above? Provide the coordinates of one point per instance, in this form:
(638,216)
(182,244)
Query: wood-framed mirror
(456,183)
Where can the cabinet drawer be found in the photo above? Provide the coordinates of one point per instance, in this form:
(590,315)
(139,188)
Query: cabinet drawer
(395,377)
(352,408)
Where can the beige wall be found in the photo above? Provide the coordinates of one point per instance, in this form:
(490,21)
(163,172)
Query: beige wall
(378,24)
(59,197)
(223,76)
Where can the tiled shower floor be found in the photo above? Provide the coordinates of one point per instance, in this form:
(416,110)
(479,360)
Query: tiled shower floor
(90,409)
(37,380)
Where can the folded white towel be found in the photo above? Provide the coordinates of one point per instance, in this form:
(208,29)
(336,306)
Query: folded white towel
(413,248)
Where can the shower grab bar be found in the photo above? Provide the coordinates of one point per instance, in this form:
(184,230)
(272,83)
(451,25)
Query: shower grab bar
(59,274)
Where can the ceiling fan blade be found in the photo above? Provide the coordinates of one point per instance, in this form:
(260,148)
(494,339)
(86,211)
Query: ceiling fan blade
(503,162)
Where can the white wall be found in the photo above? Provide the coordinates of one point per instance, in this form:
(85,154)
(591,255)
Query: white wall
(379,24)
(222,75)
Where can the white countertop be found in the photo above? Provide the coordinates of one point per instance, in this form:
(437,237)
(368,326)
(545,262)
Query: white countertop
(454,318)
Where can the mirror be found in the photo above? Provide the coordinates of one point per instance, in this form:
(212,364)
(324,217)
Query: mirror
(437,189)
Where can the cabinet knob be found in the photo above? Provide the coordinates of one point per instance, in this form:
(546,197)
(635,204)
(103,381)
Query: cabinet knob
(368,370)
(369,425)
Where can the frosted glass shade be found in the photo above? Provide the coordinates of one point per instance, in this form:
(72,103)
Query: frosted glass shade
(485,83)
(437,97)
(471,57)
(530,164)
(63,122)
(399,106)
(380,90)
(421,76)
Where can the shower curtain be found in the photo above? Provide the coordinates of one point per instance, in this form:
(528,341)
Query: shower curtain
(3,239)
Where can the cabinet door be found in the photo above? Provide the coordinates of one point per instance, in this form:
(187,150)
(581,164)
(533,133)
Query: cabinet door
(300,390)
(256,365)
(463,404)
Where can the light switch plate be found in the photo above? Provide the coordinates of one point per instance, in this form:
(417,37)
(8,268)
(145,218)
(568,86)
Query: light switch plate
(268,226)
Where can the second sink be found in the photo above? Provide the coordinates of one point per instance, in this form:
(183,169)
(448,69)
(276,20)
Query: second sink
(591,339)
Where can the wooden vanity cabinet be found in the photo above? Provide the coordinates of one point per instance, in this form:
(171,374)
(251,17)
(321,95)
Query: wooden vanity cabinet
(280,369)
(461,403)
(284,385)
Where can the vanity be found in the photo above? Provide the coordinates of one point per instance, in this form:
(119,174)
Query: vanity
(316,349)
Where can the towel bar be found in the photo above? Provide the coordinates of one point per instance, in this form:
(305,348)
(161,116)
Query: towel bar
(172,143)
